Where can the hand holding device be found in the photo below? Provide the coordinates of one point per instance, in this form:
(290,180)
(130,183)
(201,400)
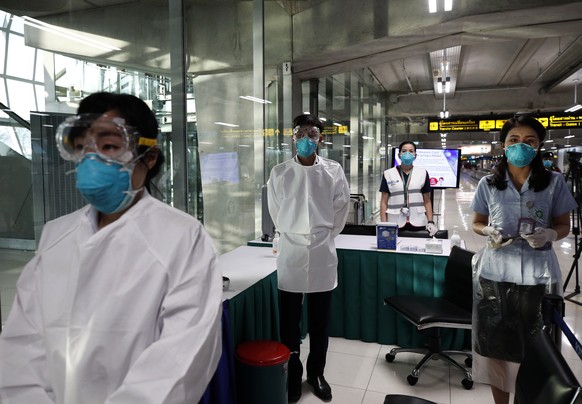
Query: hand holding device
(540,237)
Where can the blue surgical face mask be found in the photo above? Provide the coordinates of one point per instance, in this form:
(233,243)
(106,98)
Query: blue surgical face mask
(105,185)
(407,158)
(547,163)
(520,154)
(305,147)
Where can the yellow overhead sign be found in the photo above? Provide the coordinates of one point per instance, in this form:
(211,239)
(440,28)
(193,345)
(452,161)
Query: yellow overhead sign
(486,124)
(327,130)
(335,130)
(569,121)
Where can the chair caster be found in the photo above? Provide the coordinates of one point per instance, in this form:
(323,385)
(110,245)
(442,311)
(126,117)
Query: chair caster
(467,384)
(390,357)
(412,380)
(469,362)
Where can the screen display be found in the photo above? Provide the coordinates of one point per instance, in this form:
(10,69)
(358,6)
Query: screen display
(443,165)
(219,167)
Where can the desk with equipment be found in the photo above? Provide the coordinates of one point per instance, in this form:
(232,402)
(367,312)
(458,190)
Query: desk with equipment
(366,276)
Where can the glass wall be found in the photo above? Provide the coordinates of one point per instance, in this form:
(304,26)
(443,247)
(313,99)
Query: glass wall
(238,95)
(353,110)
(21,91)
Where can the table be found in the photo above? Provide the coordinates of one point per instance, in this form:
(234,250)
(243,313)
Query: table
(253,295)
(250,312)
(366,276)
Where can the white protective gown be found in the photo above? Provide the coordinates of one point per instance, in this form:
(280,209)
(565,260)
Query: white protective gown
(129,314)
(309,206)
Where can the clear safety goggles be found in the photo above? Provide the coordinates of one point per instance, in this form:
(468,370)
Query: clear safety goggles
(299,132)
(109,137)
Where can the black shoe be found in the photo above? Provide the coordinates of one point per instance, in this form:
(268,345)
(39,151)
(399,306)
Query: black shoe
(320,387)
(293,398)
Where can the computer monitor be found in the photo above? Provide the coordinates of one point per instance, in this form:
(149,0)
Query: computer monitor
(219,167)
(443,165)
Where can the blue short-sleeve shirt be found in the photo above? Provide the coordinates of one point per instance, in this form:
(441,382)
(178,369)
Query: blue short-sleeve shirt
(518,262)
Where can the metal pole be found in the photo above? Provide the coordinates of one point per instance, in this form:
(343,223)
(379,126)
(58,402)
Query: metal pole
(178,76)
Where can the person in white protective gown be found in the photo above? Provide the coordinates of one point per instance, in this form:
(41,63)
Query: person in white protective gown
(122,302)
(405,194)
(308,199)
(522,208)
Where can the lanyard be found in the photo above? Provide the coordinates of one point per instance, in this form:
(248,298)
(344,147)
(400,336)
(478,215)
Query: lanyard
(405,183)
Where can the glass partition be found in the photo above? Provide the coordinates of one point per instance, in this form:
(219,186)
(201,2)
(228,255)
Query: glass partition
(352,108)
(238,96)
(20,79)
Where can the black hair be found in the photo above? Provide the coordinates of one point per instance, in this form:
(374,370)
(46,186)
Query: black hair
(539,178)
(405,143)
(308,119)
(136,114)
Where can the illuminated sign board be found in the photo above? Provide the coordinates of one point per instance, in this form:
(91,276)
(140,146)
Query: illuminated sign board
(335,130)
(564,121)
(476,149)
(558,120)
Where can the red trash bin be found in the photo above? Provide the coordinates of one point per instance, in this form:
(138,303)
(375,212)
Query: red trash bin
(261,372)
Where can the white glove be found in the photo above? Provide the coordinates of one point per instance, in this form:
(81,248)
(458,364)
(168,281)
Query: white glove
(540,237)
(495,238)
(431,228)
(493,233)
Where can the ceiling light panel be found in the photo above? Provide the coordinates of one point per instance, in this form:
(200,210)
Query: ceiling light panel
(444,65)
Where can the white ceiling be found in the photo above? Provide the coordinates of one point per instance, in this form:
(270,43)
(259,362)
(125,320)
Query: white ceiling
(522,59)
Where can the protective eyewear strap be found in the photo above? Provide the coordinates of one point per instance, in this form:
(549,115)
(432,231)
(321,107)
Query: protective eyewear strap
(146,141)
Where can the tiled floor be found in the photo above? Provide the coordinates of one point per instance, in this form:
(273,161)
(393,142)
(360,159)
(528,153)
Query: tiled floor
(357,371)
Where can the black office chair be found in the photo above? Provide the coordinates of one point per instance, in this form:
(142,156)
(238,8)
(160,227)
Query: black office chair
(370,230)
(442,234)
(543,377)
(402,399)
(359,229)
(451,310)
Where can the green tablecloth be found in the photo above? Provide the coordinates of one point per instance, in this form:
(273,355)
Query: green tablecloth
(365,278)
(254,313)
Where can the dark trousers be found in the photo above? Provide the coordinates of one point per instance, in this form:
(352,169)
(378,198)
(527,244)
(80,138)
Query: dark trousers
(318,310)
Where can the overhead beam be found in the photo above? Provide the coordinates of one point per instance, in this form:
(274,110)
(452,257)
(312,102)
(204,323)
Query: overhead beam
(568,73)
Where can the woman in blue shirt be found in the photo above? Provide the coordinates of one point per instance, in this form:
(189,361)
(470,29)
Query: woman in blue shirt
(522,208)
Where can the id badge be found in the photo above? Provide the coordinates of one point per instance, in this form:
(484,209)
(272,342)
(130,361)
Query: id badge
(405,211)
(525,225)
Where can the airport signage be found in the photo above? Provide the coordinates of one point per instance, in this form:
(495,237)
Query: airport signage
(558,120)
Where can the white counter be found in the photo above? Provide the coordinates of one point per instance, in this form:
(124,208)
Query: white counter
(406,245)
(247,265)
